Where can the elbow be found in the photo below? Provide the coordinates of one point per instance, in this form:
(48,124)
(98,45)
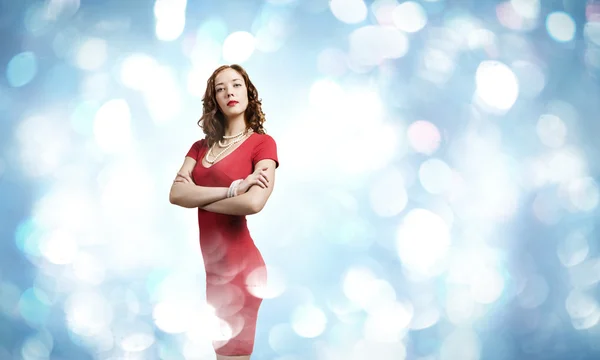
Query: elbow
(256,207)
(174,199)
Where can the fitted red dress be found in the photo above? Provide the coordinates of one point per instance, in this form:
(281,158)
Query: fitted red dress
(234,266)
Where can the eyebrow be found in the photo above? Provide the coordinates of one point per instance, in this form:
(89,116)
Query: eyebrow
(236,79)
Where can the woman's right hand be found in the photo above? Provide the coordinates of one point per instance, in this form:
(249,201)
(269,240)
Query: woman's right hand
(258,177)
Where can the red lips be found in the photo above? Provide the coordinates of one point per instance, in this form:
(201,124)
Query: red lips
(232,103)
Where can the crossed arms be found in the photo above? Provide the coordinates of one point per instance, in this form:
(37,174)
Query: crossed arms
(214,199)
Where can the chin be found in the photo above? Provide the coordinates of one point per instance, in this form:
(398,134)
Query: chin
(230,114)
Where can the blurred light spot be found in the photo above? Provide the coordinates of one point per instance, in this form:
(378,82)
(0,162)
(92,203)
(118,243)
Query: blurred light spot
(363,349)
(96,86)
(62,8)
(37,347)
(424,137)
(497,85)
(197,79)
(362,104)
(388,323)
(423,240)
(580,304)
(87,313)
(332,62)
(526,8)
(563,165)
(461,344)
(546,208)
(362,288)
(43,145)
(509,17)
(582,194)
(67,206)
(534,293)
(573,249)
(424,318)
(435,176)
(585,274)
(438,66)
(92,54)
(89,268)
(282,338)
(137,342)
(409,17)
(34,307)
(201,322)
(207,48)
(388,195)
(272,27)
(112,126)
(551,130)
(281,2)
(459,306)
(162,97)
(27,238)
(137,71)
(114,186)
(560,26)
(496,191)
(324,92)
(592,58)
(486,285)
(37,19)
(82,117)
(21,69)
(591,32)
(174,317)
(530,77)
(481,38)
(59,247)
(170,19)
(275,286)
(383,10)
(238,47)
(308,321)
(370,45)
(349,11)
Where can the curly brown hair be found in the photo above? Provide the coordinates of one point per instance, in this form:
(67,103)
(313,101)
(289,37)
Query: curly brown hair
(212,121)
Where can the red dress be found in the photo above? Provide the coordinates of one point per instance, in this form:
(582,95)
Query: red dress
(234,266)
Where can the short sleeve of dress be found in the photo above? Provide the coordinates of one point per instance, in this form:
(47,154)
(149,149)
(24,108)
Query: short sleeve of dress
(195,149)
(266,148)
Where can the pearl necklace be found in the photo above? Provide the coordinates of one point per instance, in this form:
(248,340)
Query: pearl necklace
(234,136)
(240,137)
(222,144)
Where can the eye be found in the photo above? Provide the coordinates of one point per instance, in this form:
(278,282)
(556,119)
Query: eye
(235,85)
(219,89)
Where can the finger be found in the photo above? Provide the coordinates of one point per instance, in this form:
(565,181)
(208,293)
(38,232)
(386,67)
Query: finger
(259,183)
(266,177)
(265,180)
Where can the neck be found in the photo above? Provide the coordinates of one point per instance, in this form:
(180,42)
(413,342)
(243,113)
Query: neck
(234,126)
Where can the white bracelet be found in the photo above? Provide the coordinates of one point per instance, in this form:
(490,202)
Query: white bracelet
(232,191)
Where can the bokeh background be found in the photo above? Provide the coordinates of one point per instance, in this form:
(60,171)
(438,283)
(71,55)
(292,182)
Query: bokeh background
(437,197)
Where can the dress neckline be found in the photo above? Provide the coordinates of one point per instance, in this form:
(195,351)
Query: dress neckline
(224,157)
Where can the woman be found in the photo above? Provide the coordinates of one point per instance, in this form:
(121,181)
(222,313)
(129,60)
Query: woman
(227,175)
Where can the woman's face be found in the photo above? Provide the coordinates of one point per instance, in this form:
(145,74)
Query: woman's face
(231,93)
